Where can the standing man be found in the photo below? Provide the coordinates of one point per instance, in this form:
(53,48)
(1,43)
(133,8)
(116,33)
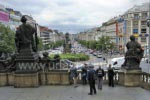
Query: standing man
(111,76)
(74,75)
(91,78)
(100,74)
(84,75)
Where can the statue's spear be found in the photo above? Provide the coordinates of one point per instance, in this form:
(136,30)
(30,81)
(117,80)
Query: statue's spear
(36,38)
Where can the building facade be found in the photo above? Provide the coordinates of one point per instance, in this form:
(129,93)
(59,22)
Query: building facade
(45,35)
(4,15)
(15,17)
(136,23)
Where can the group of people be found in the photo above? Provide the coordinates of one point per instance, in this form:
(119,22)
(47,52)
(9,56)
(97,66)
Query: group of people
(90,75)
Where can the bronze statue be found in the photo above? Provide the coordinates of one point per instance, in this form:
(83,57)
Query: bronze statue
(67,37)
(46,61)
(24,36)
(56,61)
(133,55)
(7,64)
(67,44)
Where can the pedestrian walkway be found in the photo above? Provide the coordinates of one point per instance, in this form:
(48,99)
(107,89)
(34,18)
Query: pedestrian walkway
(71,93)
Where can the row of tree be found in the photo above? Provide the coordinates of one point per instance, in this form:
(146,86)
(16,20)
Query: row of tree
(103,44)
(53,45)
(7,39)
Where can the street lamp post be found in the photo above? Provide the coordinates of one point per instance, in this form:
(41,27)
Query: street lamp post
(148,24)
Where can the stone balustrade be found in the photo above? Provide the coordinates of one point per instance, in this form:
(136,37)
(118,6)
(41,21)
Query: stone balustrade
(145,81)
(58,77)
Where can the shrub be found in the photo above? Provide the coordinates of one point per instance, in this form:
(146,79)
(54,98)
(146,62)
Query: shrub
(73,57)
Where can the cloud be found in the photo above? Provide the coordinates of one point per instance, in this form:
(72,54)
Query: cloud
(76,13)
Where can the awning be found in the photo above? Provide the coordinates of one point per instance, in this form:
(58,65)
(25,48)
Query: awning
(136,35)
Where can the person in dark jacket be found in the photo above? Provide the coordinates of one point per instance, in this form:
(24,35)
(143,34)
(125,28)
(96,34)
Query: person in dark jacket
(84,75)
(74,75)
(111,76)
(100,73)
(91,79)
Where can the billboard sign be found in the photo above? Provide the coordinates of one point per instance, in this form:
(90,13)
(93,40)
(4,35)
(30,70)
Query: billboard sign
(4,17)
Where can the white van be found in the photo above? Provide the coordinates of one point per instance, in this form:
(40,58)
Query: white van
(117,62)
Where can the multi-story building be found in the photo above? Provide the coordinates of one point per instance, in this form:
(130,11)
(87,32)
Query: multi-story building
(111,30)
(89,35)
(57,36)
(121,36)
(4,15)
(45,35)
(82,36)
(15,17)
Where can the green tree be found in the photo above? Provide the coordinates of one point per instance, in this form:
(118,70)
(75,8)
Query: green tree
(7,39)
(40,44)
(84,43)
(92,44)
(104,43)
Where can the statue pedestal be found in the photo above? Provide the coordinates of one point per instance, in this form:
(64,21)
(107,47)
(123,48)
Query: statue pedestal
(23,80)
(26,61)
(3,79)
(57,77)
(130,78)
(10,79)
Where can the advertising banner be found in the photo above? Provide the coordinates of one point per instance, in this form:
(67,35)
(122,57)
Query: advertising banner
(4,16)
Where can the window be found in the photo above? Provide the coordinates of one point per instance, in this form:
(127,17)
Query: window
(143,30)
(135,23)
(135,30)
(143,39)
(143,22)
(144,15)
(128,23)
(129,15)
(136,16)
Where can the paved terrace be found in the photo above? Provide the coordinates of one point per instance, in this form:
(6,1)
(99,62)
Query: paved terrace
(71,93)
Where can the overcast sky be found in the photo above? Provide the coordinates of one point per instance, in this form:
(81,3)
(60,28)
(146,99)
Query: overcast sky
(71,15)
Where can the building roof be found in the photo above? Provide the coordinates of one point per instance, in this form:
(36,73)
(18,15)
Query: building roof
(45,29)
(139,8)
